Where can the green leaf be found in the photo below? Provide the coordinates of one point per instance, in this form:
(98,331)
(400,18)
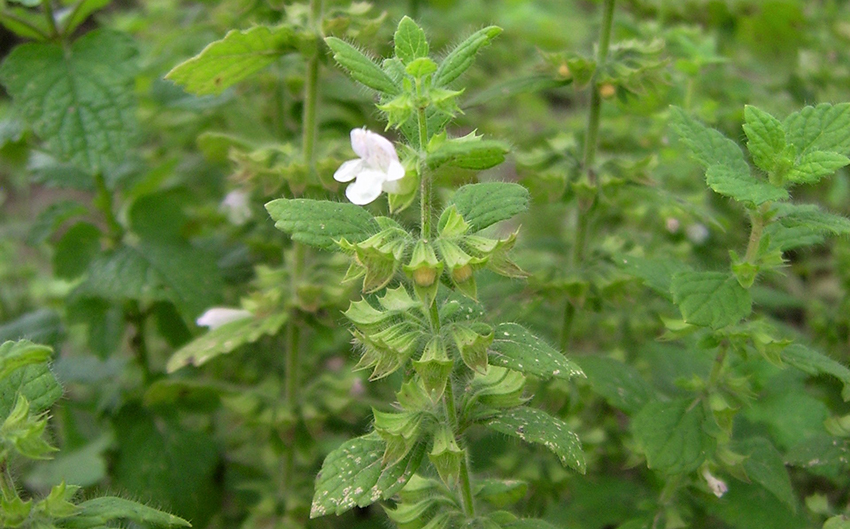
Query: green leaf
(708,146)
(529,523)
(535,426)
(825,127)
(710,299)
(51,218)
(410,41)
(482,205)
(152,271)
(514,347)
(15,355)
(814,165)
(361,67)
(811,217)
(237,56)
(764,465)
(500,493)
(462,56)
(321,223)
(84,466)
(352,475)
(765,135)
(619,384)
(159,216)
(80,100)
(76,249)
(100,511)
(225,339)
(741,185)
(673,435)
(474,154)
(814,363)
(515,86)
(35,382)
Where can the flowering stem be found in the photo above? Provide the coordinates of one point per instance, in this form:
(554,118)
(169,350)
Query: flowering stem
(103,202)
(758,222)
(424,180)
(591,143)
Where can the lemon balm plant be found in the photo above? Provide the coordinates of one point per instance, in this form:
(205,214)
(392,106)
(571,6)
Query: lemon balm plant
(419,313)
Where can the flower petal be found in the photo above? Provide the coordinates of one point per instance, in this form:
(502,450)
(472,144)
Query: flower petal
(374,149)
(348,170)
(218,316)
(395,171)
(365,189)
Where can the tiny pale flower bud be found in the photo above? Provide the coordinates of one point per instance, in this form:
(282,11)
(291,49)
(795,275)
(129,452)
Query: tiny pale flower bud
(564,71)
(717,486)
(377,168)
(697,233)
(218,316)
(237,207)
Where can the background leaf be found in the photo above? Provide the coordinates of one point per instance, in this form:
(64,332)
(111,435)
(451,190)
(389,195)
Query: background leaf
(673,435)
(234,58)
(81,100)
(462,56)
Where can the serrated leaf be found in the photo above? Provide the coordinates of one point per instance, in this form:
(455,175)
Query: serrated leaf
(742,185)
(468,154)
(811,217)
(15,355)
(232,59)
(80,101)
(321,223)
(361,67)
(708,146)
(710,299)
(153,271)
(223,340)
(482,205)
(514,347)
(765,137)
(619,384)
(535,426)
(814,363)
(788,238)
(410,41)
(825,127)
(352,475)
(673,436)
(765,466)
(35,382)
(814,165)
(462,56)
(99,511)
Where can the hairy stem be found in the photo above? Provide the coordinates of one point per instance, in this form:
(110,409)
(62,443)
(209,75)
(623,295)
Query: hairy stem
(758,222)
(424,181)
(591,141)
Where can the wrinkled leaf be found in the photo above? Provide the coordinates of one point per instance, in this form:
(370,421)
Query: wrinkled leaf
(710,299)
(514,347)
(482,205)
(321,223)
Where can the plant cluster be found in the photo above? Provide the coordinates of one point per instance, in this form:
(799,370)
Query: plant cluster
(273,279)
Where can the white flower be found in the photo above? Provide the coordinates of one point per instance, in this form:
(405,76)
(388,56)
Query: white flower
(377,169)
(235,205)
(717,486)
(218,316)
